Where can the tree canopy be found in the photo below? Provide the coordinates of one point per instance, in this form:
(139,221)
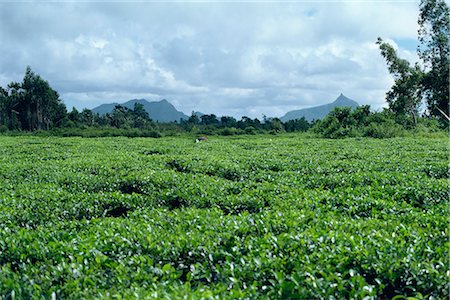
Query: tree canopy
(434,53)
(31,104)
(428,83)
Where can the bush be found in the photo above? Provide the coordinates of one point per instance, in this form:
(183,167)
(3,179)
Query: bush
(381,131)
(342,122)
(229,131)
(250,130)
(90,132)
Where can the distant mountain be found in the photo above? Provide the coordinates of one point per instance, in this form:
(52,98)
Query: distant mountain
(160,111)
(319,112)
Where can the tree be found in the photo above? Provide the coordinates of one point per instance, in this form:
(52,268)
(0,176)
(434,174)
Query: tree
(193,119)
(434,50)
(34,104)
(209,119)
(412,84)
(405,96)
(139,111)
(228,121)
(3,106)
(361,115)
(74,115)
(43,108)
(121,117)
(140,116)
(274,124)
(87,117)
(296,125)
(8,106)
(248,122)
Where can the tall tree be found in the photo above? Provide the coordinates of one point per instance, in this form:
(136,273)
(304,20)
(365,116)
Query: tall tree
(140,116)
(121,117)
(87,117)
(3,106)
(412,84)
(74,116)
(434,52)
(35,104)
(139,111)
(404,97)
(193,119)
(12,105)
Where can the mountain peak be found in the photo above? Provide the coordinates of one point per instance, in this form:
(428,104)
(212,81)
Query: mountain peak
(341,98)
(319,112)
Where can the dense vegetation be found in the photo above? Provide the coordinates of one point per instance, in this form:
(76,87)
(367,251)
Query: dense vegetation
(261,216)
(33,106)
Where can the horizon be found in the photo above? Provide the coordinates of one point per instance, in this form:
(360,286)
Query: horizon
(226,58)
(206,113)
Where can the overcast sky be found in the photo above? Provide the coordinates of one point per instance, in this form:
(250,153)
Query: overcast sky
(227,58)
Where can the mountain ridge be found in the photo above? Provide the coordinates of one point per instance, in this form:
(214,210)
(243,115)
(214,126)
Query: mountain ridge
(320,111)
(159,111)
(164,111)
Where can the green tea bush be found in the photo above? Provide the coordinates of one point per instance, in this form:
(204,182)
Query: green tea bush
(273,217)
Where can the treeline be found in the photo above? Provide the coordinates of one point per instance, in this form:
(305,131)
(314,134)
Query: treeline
(341,122)
(33,106)
(225,125)
(362,122)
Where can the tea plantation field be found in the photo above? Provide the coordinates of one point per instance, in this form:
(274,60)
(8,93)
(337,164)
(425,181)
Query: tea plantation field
(248,217)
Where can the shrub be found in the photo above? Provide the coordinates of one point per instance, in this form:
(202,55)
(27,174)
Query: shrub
(385,130)
(229,131)
(250,130)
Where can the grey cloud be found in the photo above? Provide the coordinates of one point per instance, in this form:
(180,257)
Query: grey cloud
(224,58)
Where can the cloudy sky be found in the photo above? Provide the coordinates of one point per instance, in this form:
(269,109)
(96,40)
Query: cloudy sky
(233,58)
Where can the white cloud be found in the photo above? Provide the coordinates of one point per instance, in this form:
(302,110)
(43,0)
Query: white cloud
(224,58)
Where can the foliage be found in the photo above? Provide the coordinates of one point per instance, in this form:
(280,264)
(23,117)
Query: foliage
(297,125)
(90,132)
(344,122)
(209,119)
(405,95)
(412,84)
(387,129)
(434,51)
(34,106)
(31,105)
(122,117)
(276,217)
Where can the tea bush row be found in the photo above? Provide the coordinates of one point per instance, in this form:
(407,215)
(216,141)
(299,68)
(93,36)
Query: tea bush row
(262,216)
